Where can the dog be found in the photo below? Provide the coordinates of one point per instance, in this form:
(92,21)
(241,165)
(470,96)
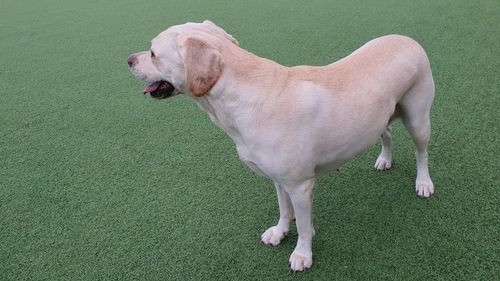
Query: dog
(294,124)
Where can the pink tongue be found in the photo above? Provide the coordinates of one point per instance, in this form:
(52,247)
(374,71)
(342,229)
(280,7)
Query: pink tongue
(152,87)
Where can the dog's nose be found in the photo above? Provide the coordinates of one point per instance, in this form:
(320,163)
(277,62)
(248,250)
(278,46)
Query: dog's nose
(132,60)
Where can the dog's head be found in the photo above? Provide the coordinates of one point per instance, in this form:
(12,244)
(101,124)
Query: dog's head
(184,58)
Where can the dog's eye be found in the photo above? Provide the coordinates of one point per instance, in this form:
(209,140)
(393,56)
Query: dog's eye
(153,54)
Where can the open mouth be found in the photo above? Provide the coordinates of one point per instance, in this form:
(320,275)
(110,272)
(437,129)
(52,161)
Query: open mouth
(161,90)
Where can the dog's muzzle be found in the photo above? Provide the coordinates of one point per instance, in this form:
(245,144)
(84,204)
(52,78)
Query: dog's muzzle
(161,90)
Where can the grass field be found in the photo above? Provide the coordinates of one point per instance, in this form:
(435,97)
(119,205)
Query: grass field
(98,182)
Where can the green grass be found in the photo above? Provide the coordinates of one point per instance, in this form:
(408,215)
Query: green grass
(98,182)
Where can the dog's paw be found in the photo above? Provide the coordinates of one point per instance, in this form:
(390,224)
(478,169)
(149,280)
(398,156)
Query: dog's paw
(273,236)
(383,163)
(424,188)
(300,261)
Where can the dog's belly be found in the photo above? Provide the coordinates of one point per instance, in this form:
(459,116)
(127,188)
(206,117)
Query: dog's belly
(313,150)
(338,155)
(325,169)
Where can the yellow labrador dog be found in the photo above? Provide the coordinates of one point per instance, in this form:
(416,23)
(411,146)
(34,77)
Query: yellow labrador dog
(293,124)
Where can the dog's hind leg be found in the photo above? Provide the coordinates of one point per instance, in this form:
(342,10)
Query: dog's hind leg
(416,106)
(384,160)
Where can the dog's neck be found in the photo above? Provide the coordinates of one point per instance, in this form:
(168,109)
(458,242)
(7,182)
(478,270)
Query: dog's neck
(237,98)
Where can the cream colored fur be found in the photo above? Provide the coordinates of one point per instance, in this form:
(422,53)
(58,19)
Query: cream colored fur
(293,124)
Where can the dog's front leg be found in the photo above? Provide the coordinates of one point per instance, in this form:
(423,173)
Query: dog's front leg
(275,234)
(301,198)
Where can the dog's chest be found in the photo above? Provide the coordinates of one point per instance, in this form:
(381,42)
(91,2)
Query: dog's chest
(250,159)
(219,116)
(230,126)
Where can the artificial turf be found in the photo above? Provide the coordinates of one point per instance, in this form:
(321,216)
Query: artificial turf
(98,182)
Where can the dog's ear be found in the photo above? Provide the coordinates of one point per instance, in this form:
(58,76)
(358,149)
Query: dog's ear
(203,65)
